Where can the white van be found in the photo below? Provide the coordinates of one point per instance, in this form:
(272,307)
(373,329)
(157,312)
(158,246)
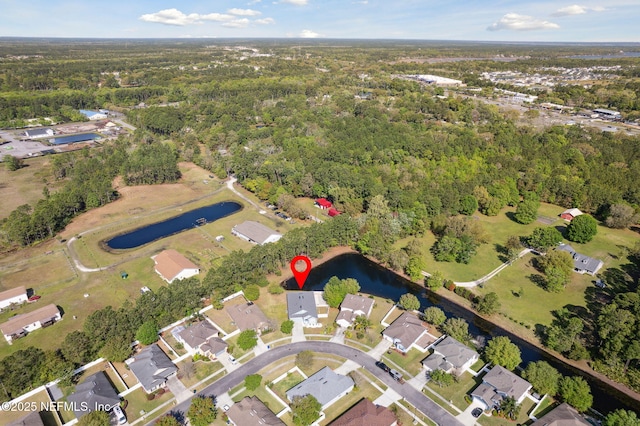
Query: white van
(117,411)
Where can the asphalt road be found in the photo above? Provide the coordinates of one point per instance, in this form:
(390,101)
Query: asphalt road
(410,394)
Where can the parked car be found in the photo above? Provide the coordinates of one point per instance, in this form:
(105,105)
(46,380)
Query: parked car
(396,375)
(34,298)
(476,412)
(120,417)
(383,366)
(232,360)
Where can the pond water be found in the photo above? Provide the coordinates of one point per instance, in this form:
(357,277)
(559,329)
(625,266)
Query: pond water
(187,220)
(382,282)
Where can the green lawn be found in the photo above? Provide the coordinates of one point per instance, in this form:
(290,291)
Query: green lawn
(406,418)
(273,404)
(523,417)
(456,392)
(409,362)
(287,383)
(37,399)
(138,403)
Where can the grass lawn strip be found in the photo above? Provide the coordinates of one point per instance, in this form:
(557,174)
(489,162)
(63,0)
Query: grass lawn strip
(410,362)
(138,403)
(21,409)
(456,392)
(406,415)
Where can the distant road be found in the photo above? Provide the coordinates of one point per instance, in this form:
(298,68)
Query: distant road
(410,394)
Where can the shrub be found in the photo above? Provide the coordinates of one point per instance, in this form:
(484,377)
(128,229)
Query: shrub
(275,289)
(450,286)
(287,327)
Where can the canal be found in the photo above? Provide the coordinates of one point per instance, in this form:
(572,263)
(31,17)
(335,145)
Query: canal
(174,225)
(382,282)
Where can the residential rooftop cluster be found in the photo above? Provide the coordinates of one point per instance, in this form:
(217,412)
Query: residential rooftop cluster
(552,76)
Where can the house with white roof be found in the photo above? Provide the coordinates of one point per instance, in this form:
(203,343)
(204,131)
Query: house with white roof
(93,115)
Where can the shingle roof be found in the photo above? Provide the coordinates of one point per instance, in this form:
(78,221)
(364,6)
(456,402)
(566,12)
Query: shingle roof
(247,317)
(17,323)
(506,382)
(250,411)
(356,302)
(12,292)
(458,354)
(365,413)
(214,345)
(325,385)
(94,393)
(31,419)
(152,367)
(407,328)
(170,263)
(562,415)
(301,304)
(197,334)
(581,261)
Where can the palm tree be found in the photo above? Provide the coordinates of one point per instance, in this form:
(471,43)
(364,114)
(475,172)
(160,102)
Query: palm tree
(361,323)
(509,407)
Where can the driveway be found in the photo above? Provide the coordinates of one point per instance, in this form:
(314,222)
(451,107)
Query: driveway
(466,418)
(411,395)
(297,334)
(178,389)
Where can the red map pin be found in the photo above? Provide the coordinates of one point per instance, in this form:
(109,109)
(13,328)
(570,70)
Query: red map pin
(301,276)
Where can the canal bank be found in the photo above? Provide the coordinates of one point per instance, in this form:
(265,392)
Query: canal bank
(379,281)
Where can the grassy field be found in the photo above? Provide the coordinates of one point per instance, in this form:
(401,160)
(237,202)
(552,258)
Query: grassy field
(409,362)
(456,392)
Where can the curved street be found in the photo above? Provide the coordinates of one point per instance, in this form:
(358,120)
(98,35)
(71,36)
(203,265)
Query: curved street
(410,394)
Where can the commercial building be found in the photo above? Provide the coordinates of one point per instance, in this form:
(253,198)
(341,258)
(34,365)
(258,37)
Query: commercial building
(93,115)
(256,233)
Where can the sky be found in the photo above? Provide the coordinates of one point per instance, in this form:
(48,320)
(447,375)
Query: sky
(488,20)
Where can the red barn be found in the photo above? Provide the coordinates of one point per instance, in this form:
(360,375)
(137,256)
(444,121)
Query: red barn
(323,203)
(570,214)
(333,212)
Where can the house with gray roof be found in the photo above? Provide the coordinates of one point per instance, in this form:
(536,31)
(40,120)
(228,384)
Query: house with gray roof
(409,331)
(152,367)
(249,316)
(325,385)
(500,383)
(582,264)
(31,419)
(255,232)
(250,411)
(352,307)
(301,308)
(201,337)
(450,356)
(562,415)
(94,394)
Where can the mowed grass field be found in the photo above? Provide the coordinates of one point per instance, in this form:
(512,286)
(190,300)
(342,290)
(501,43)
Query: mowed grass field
(48,270)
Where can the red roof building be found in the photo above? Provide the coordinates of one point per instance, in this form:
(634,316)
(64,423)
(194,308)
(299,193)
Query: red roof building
(333,212)
(323,203)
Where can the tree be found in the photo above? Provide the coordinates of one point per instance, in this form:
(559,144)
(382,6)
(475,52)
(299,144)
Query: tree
(513,247)
(336,289)
(116,349)
(13,163)
(434,315)
(441,378)
(622,418)
(527,211)
(409,302)
(509,407)
(576,392)
(95,418)
(305,410)
(287,327)
(361,323)
(252,381)
(167,420)
(251,292)
(501,351)
(77,347)
(434,281)
(489,304)
(621,216)
(457,328)
(148,332)
(414,268)
(468,205)
(248,339)
(582,229)
(542,239)
(543,377)
(304,359)
(558,267)
(202,411)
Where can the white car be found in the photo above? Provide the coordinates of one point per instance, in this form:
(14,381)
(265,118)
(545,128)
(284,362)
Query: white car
(117,411)
(225,408)
(232,359)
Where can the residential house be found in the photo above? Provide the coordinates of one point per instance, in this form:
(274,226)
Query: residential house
(94,394)
(365,413)
(255,232)
(562,415)
(31,419)
(325,385)
(500,383)
(570,214)
(250,411)
(323,203)
(14,296)
(248,316)
(201,338)
(353,306)
(22,324)
(39,133)
(582,264)
(171,266)
(152,367)
(450,356)
(93,115)
(301,308)
(333,212)
(409,331)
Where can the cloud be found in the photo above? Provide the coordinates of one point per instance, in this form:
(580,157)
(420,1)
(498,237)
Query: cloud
(309,34)
(516,22)
(244,12)
(265,21)
(175,17)
(576,10)
(296,2)
(237,23)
